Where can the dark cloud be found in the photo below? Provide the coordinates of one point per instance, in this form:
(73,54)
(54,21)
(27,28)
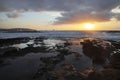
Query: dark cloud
(38,5)
(85,16)
(82,16)
(57,5)
(74,10)
(91,11)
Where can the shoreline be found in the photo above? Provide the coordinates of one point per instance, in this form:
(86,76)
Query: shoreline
(56,58)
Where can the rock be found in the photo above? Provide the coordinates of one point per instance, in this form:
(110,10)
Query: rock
(11,41)
(66,72)
(21,52)
(77,55)
(64,51)
(11,53)
(39,39)
(111,72)
(87,71)
(67,44)
(115,61)
(107,74)
(98,50)
(69,67)
(116,44)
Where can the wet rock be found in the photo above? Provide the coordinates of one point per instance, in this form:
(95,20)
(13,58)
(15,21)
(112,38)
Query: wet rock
(43,75)
(39,39)
(111,72)
(59,46)
(98,50)
(85,73)
(115,61)
(4,49)
(53,60)
(34,49)
(66,72)
(64,51)
(77,55)
(116,44)
(22,52)
(49,65)
(11,53)
(69,67)
(67,44)
(72,77)
(11,41)
(30,45)
(107,74)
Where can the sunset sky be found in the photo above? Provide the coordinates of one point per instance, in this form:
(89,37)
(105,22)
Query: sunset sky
(60,14)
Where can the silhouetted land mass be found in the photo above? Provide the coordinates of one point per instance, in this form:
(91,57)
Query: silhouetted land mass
(13,30)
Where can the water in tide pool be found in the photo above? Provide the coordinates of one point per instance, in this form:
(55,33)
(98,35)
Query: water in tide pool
(34,59)
(66,34)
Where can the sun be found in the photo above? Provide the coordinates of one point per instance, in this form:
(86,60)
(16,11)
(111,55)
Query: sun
(89,26)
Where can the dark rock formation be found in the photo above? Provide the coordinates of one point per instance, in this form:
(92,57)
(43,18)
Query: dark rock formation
(97,50)
(11,41)
(107,74)
(21,52)
(112,69)
(115,61)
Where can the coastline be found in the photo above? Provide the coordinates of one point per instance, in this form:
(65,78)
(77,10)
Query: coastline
(56,58)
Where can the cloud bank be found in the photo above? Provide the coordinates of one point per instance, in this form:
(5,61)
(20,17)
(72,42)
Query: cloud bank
(74,11)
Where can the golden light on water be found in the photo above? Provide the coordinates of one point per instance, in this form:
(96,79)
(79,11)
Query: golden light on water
(89,26)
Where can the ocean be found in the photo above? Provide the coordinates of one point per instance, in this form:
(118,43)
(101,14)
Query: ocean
(114,35)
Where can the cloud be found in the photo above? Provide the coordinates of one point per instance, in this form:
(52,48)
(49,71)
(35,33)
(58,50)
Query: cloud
(56,5)
(13,14)
(116,10)
(91,11)
(37,5)
(74,11)
(83,16)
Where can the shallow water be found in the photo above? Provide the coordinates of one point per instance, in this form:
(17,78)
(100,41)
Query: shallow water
(25,67)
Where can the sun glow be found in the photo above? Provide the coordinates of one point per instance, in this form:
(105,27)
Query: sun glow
(89,26)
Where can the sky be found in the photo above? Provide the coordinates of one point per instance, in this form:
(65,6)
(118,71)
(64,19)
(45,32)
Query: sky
(60,14)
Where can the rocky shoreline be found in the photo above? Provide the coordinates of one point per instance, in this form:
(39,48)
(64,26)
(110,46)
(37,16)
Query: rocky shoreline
(65,59)
(99,51)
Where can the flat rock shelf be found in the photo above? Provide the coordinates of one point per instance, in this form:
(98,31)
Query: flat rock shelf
(43,58)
